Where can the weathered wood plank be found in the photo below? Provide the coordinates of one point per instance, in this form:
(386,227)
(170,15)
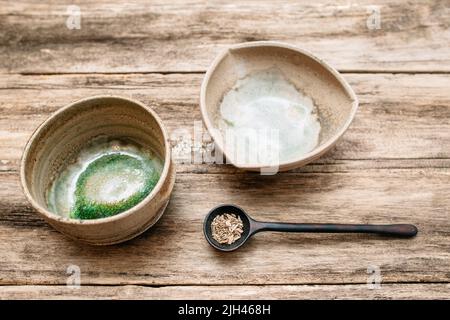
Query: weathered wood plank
(415,107)
(390,167)
(163,36)
(386,291)
(175,252)
(401,116)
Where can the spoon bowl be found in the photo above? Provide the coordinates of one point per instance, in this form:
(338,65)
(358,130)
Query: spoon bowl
(227,208)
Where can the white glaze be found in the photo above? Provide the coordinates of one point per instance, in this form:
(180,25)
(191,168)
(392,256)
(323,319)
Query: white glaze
(267,106)
(107,186)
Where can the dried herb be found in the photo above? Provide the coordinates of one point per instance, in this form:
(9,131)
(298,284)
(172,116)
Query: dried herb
(227,228)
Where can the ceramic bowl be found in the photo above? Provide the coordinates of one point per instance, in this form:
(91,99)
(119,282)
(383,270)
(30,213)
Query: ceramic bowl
(62,136)
(335,100)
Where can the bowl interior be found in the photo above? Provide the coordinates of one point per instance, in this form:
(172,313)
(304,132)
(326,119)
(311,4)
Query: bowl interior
(333,98)
(60,139)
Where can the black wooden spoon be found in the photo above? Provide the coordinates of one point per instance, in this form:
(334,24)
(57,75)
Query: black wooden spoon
(252,226)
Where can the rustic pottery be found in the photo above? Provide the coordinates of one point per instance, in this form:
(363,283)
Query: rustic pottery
(61,137)
(335,100)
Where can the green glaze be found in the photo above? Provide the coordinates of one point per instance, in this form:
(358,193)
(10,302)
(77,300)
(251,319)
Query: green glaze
(113,174)
(107,176)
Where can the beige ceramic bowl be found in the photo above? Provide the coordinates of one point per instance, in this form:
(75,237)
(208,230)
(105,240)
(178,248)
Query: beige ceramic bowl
(63,135)
(335,100)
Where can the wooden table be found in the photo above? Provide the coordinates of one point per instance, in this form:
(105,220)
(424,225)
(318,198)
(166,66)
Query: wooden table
(391,166)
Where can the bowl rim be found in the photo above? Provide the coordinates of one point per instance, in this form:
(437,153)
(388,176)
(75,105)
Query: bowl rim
(310,156)
(51,120)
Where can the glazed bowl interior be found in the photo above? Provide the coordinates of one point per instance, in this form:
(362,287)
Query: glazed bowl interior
(59,140)
(335,101)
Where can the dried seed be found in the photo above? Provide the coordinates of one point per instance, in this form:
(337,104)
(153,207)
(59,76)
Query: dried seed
(227,228)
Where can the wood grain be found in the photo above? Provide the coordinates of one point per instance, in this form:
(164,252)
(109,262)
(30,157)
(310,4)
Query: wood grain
(386,291)
(33,253)
(401,116)
(392,182)
(391,166)
(184,36)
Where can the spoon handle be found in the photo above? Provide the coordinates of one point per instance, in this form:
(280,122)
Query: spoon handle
(401,230)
